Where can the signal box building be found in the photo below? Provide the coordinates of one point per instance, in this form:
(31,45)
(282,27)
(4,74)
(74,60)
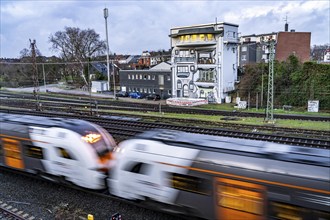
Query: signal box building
(204,61)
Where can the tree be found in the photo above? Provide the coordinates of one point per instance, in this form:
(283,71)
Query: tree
(317,51)
(75,45)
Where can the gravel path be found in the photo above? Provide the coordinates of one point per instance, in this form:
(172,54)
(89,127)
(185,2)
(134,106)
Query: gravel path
(45,200)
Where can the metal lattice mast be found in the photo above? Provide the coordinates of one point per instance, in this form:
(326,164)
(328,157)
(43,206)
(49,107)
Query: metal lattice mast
(270,93)
(35,74)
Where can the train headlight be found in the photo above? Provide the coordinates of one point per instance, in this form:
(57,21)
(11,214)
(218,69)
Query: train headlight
(91,138)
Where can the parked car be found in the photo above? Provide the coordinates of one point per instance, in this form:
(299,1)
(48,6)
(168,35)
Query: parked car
(136,95)
(122,94)
(154,97)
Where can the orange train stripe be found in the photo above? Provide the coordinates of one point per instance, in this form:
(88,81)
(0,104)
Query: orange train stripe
(249,178)
(20,138)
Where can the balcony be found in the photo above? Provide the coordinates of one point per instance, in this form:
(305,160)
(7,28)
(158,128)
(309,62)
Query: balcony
(196,43)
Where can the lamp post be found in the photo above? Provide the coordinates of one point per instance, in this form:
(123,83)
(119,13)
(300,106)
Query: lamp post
(106,14)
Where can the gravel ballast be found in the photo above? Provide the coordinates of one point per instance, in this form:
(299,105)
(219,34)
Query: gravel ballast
(45,200)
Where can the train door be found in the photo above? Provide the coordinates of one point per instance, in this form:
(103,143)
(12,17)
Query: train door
(239,200)
(65,164)
(139,179)
(12,152)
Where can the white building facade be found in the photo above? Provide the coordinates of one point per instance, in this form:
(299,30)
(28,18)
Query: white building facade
(204,61)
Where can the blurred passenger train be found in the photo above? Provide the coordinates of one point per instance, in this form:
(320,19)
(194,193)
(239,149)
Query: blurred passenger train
(223,178)
(69,150)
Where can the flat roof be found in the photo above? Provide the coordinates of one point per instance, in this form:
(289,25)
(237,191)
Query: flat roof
(208,24)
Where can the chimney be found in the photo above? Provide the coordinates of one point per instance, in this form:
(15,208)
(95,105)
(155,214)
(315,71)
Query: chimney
(286,27)
(292,30)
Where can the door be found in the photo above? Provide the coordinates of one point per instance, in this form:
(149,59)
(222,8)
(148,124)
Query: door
(66,165)
(12,153)
(239,200)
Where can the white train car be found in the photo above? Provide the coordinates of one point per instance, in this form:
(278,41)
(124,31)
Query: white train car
(223,178)
(69,150)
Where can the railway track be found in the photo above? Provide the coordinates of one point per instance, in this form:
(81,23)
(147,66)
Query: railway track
(118,105)
(122,129)
(7,212)
(84,109)
(108,203)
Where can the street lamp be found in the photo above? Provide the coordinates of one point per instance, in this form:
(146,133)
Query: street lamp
(105,12)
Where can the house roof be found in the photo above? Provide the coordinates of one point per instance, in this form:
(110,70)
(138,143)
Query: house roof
(162,66)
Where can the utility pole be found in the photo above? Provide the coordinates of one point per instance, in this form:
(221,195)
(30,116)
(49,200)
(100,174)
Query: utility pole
(262,85)
(270,94)
(35,74)
(106,14)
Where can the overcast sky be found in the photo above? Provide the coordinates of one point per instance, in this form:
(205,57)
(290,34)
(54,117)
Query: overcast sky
(136,26)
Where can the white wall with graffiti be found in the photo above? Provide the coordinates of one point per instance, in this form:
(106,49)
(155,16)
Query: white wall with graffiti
(204,61)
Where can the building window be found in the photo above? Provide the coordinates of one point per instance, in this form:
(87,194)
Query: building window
(210,37)
(244,48)
(243,57)
(191,86)
(206,75)
(149,77)
(153,77)
(161,79)
(132,77)
(179,84)
(192,68)
(145,77)
(129,76)
(168,77)
(183,69)
(184,53)
(140,76)
(170,92)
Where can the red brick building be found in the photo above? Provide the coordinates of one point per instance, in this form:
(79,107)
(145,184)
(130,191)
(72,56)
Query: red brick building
(297,43)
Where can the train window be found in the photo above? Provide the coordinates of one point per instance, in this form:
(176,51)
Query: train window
(34,152)
(240,196)
(140,168)
(189,183)
(64,153)
(279,210)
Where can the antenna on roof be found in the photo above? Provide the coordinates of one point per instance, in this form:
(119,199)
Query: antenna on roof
(216,20)
(286,26)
